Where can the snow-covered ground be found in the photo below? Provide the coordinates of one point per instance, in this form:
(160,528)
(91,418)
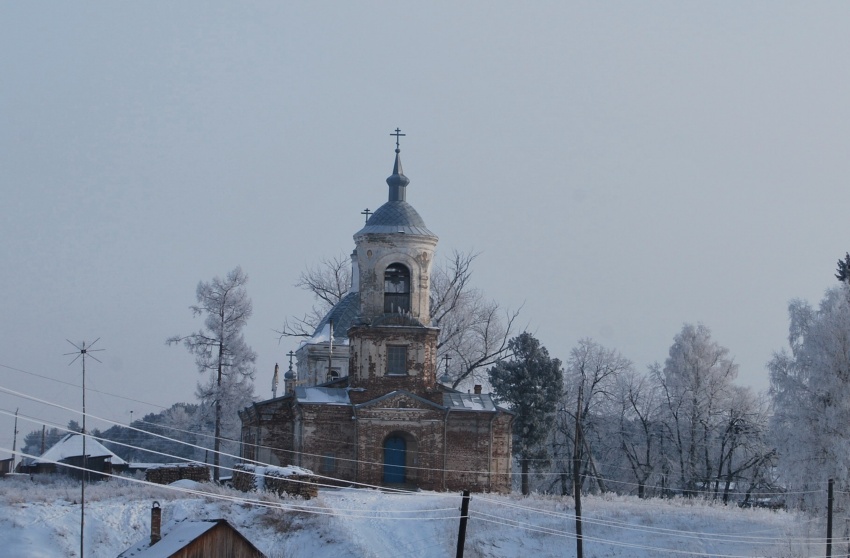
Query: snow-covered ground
(41,519)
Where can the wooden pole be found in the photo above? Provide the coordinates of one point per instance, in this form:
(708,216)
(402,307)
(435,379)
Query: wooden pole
(829,520)
(577,471)
(461,531)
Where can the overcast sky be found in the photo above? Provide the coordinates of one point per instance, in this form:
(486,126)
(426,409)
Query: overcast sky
(622,168)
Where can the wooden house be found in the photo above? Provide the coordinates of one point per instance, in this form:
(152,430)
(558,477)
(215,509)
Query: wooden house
(210,538)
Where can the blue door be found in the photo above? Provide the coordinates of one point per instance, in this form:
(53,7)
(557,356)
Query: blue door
(395,457)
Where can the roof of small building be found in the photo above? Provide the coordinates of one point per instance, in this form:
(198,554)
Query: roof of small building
(469,401)
(178,537)
(72,446)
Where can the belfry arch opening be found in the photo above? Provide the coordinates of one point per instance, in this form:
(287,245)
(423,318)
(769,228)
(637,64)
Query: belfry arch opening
(396,289)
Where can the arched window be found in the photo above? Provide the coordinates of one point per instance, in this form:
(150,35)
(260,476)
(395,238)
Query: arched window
(396,289)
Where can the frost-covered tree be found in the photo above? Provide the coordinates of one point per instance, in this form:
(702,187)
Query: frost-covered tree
(810,387)
(591,373)
(639,414)
(695,384)
(221,351)
(531,383)
(474,331)
(743,453)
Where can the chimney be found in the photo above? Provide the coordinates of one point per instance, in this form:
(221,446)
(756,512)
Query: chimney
(477,389)
(156,522)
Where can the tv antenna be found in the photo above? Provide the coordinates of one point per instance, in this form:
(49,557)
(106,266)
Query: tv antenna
(82,352)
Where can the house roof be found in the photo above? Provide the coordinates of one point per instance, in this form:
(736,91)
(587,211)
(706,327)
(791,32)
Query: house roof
(178,537)
(72,446)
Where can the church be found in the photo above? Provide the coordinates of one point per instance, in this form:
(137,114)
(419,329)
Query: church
(364,404)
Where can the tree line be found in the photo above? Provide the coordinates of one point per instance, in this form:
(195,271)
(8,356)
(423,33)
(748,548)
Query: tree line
(684,427)
(678,428)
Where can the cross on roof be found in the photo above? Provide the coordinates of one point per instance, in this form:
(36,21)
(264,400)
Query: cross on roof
(366,212)
(397,134)
(290,354)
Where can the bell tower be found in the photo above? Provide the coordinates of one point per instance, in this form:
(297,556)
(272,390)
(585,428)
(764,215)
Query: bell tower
(392,345)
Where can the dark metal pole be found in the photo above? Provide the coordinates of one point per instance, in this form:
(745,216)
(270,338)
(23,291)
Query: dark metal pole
(14,440)
(85,464)
(461,532)
(829,520)
(577,470)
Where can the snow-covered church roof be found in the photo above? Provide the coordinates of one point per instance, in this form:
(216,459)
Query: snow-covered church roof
(72,446)
(343,315)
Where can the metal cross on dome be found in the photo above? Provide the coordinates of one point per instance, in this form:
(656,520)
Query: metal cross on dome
(397,134)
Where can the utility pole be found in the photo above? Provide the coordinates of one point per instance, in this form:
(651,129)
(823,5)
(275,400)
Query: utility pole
(15,440)
(829,520)
(577,469)
(461,531)
(82,351)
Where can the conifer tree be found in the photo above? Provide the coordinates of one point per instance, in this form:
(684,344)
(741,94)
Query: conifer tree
(531,383)
(843,274)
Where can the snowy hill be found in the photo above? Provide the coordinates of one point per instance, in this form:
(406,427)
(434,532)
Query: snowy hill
(42,520)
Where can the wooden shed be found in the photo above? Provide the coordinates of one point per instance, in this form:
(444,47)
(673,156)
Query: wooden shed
(210,538)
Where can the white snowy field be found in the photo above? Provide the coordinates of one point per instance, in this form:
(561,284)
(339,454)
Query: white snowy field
(41,519)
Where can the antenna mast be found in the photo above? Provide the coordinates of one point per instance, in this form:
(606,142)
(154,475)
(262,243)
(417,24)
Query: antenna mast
(83,351)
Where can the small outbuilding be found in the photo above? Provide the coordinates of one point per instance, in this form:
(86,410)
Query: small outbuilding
(209,538)
(68,456)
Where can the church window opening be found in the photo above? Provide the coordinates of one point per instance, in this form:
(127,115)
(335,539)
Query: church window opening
(397,359)
(396,289)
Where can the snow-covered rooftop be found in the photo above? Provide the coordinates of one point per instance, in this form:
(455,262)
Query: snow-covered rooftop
(334,396)
(72,446)
(173,540)
(469,401)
